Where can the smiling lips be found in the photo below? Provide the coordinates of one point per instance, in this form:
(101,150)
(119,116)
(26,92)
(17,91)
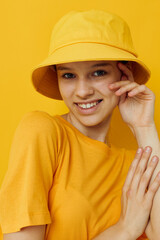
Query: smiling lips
(88,105)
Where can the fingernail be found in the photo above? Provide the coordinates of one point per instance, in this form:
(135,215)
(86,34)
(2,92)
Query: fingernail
(147,149)
(155,159)
(139,150)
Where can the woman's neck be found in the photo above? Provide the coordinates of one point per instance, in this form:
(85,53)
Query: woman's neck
(98,132)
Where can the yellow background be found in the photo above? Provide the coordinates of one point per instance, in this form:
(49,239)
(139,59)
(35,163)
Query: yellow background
(25,30)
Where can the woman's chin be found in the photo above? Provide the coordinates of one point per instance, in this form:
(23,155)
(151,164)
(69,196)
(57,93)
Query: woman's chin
(93,121)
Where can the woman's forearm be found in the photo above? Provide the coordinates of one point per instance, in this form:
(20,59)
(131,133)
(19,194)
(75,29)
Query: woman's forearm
(148,136)
(115,232)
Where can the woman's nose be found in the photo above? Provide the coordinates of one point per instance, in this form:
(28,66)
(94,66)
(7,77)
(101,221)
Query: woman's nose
(83,88)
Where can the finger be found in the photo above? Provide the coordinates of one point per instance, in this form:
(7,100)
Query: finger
(141,168)
(140,89)
(147,176)
(129,177)
(126,71)
(152,191)
(122,98)
(127,88)
(119,84)
(132,169)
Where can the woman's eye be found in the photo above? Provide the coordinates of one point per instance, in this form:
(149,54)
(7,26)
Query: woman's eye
(99,73)
(68,75)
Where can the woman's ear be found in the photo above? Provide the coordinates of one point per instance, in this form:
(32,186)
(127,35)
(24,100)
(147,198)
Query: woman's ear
(129,65)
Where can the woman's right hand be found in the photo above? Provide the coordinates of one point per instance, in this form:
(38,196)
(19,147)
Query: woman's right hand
(138,195)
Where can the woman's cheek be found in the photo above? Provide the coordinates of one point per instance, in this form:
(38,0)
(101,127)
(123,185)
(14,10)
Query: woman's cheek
(63,92)
(66,89)
(104,87)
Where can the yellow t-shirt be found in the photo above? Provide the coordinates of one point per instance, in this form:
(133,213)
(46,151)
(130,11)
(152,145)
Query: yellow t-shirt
(60,177)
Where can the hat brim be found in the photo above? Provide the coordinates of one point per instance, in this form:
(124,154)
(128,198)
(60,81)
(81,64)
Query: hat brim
(45,79)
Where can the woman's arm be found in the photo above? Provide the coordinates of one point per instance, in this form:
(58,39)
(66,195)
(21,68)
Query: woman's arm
(149,136)
(136,202)
(27,233)
(115,232)
(136,105)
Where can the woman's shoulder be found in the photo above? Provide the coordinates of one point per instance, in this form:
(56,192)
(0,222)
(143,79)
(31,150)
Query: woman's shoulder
(38,119)
(38,116)
(37,123)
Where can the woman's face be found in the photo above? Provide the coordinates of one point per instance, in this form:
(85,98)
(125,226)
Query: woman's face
(84,89)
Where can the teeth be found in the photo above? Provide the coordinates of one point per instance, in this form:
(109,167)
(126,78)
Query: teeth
(88,105)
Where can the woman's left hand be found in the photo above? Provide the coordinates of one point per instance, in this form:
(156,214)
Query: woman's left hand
(136,103)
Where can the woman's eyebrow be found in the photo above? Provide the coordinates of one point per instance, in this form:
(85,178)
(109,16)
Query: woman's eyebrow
(63,68)
(95,65)
(101,65)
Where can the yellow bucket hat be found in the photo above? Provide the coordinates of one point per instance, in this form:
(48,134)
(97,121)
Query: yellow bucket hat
(87,36)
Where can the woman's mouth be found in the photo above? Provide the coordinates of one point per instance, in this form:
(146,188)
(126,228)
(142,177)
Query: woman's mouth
(88,107)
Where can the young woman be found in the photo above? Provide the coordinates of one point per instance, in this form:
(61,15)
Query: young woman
(65,180)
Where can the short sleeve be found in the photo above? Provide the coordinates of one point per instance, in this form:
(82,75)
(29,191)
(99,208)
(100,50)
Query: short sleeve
(33,161)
